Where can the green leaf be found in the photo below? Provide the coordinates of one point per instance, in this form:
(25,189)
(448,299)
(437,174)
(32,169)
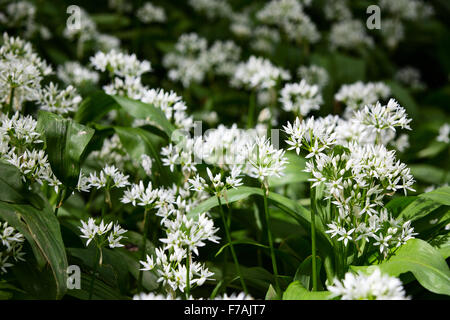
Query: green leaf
(423,260)
(429,174)
(423,205)
(304,272)
(94,107)
(14,190)
(66,142)
(441,195)
(137,142)
(296,291)
(432,150)
(99,104)
(293,173)
(41,229)
(142,110)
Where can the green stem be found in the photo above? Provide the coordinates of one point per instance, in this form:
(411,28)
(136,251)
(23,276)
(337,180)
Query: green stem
(313,238)
(91,286)
(11,101)
(272,250)
(188,273)
(144,247)
(233,253)
(251,109)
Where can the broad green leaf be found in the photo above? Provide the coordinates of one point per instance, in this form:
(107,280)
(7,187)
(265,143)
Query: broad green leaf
(296,291)
(142,110)
(13,189)
(94,107)
(113,270)
(441,195)
(419,208)
(66,142)
(424,261)
(42,230)
(429,174)
(99,104)
(397,205)
(138,142)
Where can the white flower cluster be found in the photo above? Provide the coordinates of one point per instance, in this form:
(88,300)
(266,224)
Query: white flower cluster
(212,8)
(102,233)
(183,154)
(120,64)
(21,72)
(300,98)
(192,60)
(223,146)
(153,296)
(349,34)
(264,160)
(356,178)
(183,237)
(59,101)
(444,133)
(289,16)
(149,13)
(218,184)
(127,82)
(359,94)
(375,286)
(407,9)
(378,119)
(170,103)
(19,146)
(108,178)
(21,15)
(314,75)
(258,73)
(11,242)
(73,72)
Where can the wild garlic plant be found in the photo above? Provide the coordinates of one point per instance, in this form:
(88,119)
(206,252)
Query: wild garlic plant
(349,182)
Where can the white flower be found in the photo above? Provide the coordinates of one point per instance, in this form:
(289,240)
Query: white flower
(59,101)
(444,133)
(120,64)
(300,98)
(359,94)
(349,34)
(149,13)
(234,296)
(102,233)
(153,296)
(109,176)
(258,73)
(376,286)
(72,72)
